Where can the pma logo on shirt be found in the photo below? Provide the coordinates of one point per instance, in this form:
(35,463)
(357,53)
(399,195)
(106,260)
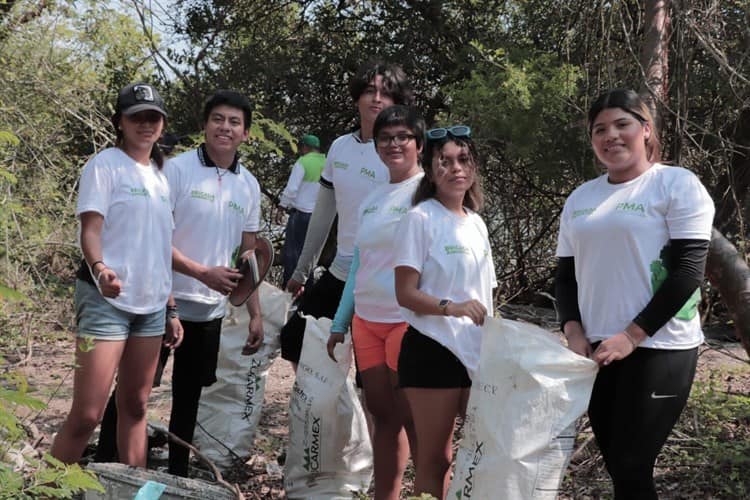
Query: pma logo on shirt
(631,208)
(397,210)
(236,207)
(456,249)
(139,192)
(367,172)
(340,164)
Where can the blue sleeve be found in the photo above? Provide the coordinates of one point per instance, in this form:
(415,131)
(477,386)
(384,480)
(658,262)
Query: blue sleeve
(345,311)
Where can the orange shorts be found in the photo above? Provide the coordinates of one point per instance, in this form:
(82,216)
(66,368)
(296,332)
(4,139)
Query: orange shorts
(377,343)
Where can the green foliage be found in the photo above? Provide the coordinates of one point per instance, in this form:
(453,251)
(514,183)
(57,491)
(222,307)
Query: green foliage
(722,438)
(523,109)
(47,478)
(8,294)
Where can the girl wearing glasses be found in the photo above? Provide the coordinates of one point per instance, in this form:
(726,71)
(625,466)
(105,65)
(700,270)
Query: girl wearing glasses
(124,280)
(631,254)
(377,324)
(444,278)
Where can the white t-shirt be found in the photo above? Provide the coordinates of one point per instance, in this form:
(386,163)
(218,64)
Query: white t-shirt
(210,217)
(454,260)
(380,213)
(616,232)
(299,193)
(354,169)
(136,237)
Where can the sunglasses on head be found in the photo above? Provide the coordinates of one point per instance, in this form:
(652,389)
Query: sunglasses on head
(454,131)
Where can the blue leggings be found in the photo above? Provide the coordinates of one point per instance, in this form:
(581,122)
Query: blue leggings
(634,405)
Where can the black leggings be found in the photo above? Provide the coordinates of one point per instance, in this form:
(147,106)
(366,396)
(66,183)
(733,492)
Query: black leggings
(634,405)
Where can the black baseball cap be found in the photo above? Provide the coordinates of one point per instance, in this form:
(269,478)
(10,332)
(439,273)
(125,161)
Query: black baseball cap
(139,97)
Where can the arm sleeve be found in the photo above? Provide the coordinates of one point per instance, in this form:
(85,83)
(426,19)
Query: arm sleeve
(345,311)
(321,221)
(292,186)
(686,266)
(566,291)
(172,173)
(414,247)
(95,188)
(252,221)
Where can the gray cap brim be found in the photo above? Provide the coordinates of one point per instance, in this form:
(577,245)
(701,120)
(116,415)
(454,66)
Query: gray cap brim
(143,107)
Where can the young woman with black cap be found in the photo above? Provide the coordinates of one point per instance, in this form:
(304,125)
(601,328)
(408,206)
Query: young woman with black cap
(124,281)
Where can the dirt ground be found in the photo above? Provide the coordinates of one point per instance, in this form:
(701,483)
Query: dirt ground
(50,376)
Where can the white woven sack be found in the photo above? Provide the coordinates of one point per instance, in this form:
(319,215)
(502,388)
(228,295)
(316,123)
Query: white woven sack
(520,426)
(329,454)
(229,410)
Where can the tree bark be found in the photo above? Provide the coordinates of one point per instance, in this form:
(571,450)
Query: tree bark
(655,55)
(728,271)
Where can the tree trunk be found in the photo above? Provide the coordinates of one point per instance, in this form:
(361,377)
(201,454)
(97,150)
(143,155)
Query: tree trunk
(655,55)
(728,271)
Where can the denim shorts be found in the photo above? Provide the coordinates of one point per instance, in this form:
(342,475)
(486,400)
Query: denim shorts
(98,318)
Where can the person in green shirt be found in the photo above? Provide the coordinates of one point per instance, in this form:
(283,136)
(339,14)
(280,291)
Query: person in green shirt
(298,200)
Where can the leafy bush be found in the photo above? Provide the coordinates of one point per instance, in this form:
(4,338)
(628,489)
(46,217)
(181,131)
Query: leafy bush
(28,477)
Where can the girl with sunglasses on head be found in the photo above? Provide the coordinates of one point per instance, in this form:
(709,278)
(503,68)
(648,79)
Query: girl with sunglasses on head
(124,280)
(631,255)
(377,325)
(444,277)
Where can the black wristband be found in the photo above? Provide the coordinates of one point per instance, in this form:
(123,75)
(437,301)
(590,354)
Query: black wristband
(172,312)
(566,292)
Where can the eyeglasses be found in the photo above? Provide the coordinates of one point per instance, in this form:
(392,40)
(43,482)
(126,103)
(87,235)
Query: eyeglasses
(454,131)
(398,139)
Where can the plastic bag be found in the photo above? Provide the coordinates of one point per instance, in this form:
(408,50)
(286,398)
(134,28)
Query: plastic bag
(519,431)
(329,454)
(229,409)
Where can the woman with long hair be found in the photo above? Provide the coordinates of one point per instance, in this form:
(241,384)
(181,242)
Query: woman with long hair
(444,279)
(124,281)
(631,256)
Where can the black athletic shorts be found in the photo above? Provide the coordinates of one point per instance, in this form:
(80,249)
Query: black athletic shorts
(320,300)
(424,362)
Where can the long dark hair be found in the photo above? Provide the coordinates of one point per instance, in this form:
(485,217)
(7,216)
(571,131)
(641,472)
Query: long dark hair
(474,197)
(157,155)
(630,102)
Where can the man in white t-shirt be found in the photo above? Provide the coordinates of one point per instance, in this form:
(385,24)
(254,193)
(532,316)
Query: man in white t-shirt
(216,207)
(353,168)
(298,200)
(216,204)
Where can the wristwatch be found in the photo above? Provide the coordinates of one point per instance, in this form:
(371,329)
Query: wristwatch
(443,304)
